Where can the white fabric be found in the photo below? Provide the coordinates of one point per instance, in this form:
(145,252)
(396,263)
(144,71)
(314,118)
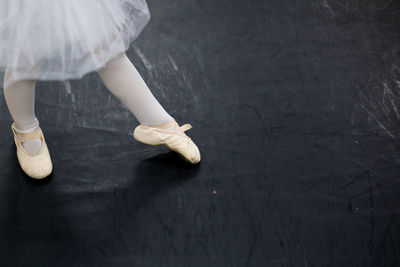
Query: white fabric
(63,39)
(123,80)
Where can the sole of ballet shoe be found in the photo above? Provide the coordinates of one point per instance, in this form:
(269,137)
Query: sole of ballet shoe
(170,148)
(36,166)
(158,136)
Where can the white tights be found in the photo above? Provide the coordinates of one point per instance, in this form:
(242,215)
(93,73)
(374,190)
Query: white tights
(119,76)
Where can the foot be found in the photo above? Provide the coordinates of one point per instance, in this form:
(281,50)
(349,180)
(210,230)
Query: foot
(32,146)
(171,135)
(36,165)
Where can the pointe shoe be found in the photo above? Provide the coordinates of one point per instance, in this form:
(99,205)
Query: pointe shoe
(37,166)
(175,139)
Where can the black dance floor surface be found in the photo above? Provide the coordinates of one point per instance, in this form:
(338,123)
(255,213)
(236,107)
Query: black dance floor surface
(295,106)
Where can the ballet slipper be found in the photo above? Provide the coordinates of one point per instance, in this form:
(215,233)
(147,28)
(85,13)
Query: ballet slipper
(37,166)
(175,139)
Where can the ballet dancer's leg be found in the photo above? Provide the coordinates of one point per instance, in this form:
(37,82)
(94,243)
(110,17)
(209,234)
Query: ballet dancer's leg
(157,126)
(123,80)
(20,99)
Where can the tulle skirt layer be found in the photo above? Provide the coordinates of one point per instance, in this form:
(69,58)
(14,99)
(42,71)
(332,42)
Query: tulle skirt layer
(63,39)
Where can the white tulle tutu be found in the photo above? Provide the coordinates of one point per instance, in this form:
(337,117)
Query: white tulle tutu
(65,39)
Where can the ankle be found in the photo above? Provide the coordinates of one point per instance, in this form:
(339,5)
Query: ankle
(170,124)
(27,128)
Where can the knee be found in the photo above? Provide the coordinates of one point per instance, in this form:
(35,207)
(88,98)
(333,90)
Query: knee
(10,80)
(113,65)
(117,60)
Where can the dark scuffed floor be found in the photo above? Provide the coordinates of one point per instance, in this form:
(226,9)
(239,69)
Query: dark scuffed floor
(295,106)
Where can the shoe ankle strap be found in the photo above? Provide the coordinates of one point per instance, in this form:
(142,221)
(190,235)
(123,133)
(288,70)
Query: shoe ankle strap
(35,134)
(185,127)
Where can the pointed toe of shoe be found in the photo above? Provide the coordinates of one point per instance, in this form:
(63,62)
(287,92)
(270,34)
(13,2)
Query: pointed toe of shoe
(194,157)
(187,150)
